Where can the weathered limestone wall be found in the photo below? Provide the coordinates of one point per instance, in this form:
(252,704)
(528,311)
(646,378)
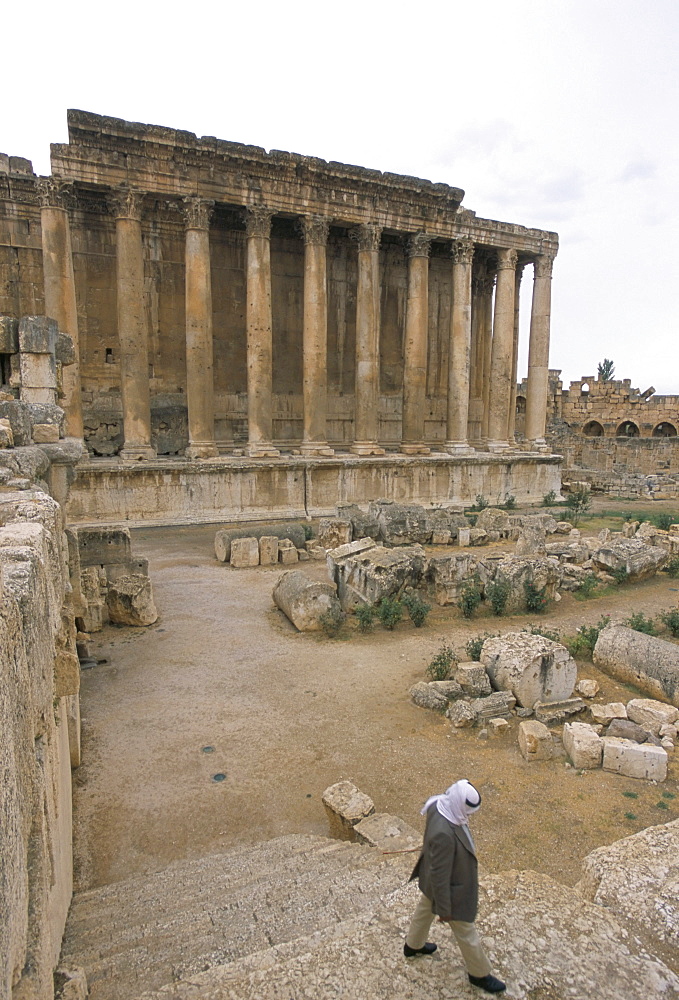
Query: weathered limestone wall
(175,492)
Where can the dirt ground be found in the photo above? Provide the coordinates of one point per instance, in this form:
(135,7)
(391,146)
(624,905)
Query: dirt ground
(223,684)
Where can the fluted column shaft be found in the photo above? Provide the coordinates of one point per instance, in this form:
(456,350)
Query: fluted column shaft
(459,357)
(486,351)
(59,282)
(199,348)
(315,337)
(501,355)
(132,327)
(511,419)
(366,417)
(258,318)
(415,352)
(538,354)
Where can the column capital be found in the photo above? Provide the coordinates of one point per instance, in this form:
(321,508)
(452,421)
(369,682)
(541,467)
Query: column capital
(543,266)
(367,236)
(56,193)
(507,259)
(463,251)
(126,203)
(418,245)
(258,221)
(197,212)
(315,229)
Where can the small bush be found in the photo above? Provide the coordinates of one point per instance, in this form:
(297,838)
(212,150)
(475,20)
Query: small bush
(390,612)
(640,623)
(631,795)
(587,587)
(630,815)
(331,621)
(475,645)
(578,503)
(670,620)
(672,568)
(584,640)
(480,503)
(441,665)
(546,633)
(510,502)
(308,532)
(417,609)
(536,598)
(365,615)
(668,795)
(661,805)
(472,518)
(663,520)
(620,575)
(470,597)
(497,595)
(549,499)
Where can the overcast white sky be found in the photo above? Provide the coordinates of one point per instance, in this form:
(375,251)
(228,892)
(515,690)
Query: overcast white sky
(558,114)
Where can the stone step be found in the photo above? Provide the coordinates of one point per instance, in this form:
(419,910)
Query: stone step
(153,930)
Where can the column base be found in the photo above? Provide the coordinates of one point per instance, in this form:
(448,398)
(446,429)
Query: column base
(412,448)
(539,445)
(201,449)
(497,446)
(462,448)
(262,449)
(316,449)
(137,453)
(366,448)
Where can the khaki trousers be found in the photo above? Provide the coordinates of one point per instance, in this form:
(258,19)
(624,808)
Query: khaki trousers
(465,934)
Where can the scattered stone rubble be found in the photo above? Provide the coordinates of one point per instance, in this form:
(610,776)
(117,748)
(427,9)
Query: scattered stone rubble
(115,585)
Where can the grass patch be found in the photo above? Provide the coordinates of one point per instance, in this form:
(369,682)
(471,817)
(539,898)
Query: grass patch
(661,805)
(668,795)
(631,795)
(630,816)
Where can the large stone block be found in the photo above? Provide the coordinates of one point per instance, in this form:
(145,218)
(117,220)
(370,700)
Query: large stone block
(649,663)
(38,335)
(104,546)
(364,524)
(651,715)
(497,705)
(9,335)
(425,696)
(333,532)
(603,714)
(287,553)
(378,572)
(473,679)
(401,524)
(633,555)
(535,741)
(244,553)
(389,834)
(583,745)
(18,415)
(448,574)
(492,519)
(130,601)
(634,760)
(531,540)
(223,538)
(533,668)
(304,601)
(345,806)
(268,550)
(543,573)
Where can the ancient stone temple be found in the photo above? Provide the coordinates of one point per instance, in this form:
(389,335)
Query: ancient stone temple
(240,315)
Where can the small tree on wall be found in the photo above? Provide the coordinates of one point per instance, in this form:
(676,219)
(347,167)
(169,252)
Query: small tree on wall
(605,370)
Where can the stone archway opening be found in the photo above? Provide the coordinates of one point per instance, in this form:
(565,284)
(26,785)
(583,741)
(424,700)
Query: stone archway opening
(593,429)
(520,404)
(664,430)
(627,429)
(584,389)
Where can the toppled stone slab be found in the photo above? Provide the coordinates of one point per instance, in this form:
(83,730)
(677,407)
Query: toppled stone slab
(401,524)
(130,601)
(448,574)
(533,668)
(541,572)
(604,714)
(633,555)
(627,730)
(387,833)
(583,745)
(497,705)
(492,519)
(425,696)
(364,524)
(304,601)
(223,538)
(554,712)
(651,715)
(333,532)
(345,806)
(473,679)
(104,546)
(376,573)
(449,688)
(244,553)
(634,760)
(535,741)
(649,663)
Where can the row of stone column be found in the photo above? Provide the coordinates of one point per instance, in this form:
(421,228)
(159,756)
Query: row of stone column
(495,334)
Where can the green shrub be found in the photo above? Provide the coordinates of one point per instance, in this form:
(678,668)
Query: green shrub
(668,795)
(584,640)
(308,532)
(670,620)
(631,795)
(587,586)
(441,665)
(630,815)
(661,805)
(620,575)
(549,499)
(365,615)
(331,621)
(510,502)
(472,518)
(536,598)
(475,645)
(417,609)
(390,612)
(481,502)
(470,597)
(663,520)
(672,568)
(640,623)
(497,595)
(578,503)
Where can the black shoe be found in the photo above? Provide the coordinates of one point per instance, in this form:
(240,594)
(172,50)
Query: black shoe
(491,984)
(427,949)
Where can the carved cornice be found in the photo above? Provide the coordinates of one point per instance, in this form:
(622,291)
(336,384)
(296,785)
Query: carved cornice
(463,251)
(506,260)
(367,236)
(418,245)
(258,221)
(315,229)
(126,203)
(543,266)
(55,193)
(197,212)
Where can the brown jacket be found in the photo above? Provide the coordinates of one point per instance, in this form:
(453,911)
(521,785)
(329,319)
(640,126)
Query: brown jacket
(447,869)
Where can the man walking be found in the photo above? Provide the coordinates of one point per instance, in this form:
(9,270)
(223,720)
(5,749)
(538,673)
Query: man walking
(447,874)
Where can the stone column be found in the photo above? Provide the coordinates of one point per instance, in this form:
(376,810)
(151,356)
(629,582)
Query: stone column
(315,336)
(511,422)
(538,355)
(415,353)
(60,302)
(501,355)
(258,319)
(132,326)
(199,351)
(366,417)
(457,442)
(487,350)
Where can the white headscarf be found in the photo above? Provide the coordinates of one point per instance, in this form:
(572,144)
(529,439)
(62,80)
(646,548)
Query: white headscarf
(457,803)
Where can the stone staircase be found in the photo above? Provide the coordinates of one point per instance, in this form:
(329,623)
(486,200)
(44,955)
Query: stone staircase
(139,935)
